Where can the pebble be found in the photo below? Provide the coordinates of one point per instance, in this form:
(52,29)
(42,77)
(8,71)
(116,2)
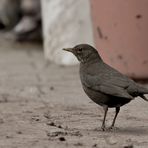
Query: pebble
(111,140)
(62,139)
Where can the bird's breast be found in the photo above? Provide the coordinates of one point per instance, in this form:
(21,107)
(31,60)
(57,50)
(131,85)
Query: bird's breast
(96,96)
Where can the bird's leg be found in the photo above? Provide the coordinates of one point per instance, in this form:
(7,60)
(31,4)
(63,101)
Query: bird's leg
(113,123)
(105,113)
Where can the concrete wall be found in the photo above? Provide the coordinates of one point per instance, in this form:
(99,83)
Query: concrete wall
(65,24)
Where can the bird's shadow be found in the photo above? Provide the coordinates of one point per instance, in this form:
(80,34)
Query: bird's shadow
(142,130)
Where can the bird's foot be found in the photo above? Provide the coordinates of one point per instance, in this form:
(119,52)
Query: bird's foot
(103,128)
(112,128)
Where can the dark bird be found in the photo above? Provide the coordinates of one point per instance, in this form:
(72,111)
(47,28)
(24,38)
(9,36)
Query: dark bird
(102,83)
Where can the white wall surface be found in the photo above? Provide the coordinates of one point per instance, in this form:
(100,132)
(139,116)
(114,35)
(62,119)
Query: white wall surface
(66,23)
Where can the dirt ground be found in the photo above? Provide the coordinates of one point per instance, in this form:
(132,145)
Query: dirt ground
(43,106)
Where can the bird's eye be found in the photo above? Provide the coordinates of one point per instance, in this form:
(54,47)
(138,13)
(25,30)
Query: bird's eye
(80,49)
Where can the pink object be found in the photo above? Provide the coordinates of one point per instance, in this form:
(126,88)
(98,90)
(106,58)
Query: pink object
(121,34)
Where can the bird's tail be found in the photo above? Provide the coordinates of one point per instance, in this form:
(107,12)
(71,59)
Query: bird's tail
(142,90)
(143,97)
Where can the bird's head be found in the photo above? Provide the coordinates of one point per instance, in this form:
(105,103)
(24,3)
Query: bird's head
(84,53)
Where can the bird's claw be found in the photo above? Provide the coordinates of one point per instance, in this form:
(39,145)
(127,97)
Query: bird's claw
(103,128)
(112,128)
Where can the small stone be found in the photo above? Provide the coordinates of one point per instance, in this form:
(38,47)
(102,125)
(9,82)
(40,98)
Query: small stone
(76,133)
(111,140)
(94,146)
(47,115)
(51,88)
(1,121)
(56,133)
(51,124)
(62,139)
(59,126)
(78,144)
(19,132)
(128,146)
(35,118)
(8,137)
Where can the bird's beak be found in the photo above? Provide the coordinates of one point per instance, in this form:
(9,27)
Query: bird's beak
(68,49)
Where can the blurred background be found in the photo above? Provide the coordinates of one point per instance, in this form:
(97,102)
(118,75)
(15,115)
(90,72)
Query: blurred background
(21,19)
(117,28)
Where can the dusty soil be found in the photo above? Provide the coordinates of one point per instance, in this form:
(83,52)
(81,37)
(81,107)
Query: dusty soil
(43,106)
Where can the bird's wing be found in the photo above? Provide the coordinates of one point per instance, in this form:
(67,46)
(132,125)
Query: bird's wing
(108,84)
(113,90)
